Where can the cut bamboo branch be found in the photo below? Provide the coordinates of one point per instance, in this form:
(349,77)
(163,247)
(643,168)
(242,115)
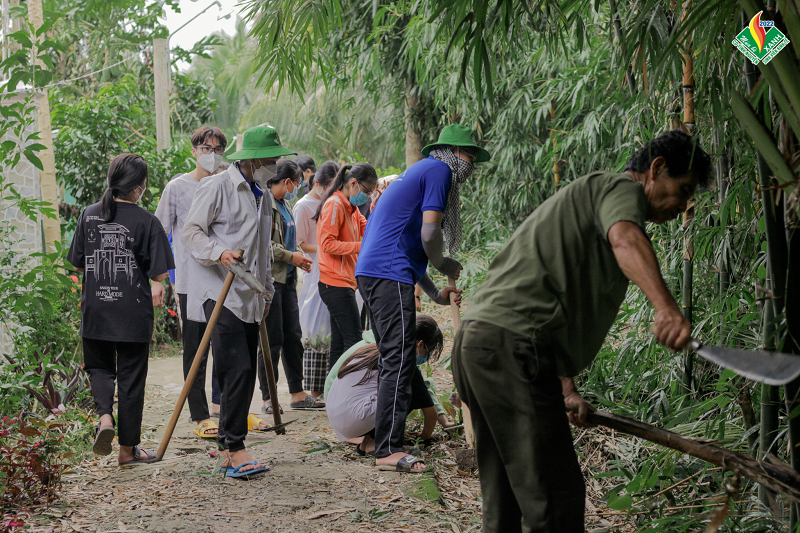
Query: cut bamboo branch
(779,478)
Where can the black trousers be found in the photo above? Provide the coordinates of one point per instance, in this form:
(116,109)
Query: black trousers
(530,477)
(345,321)
(235,345)
(192,335)
(284,333)
(393,319)
(124,364)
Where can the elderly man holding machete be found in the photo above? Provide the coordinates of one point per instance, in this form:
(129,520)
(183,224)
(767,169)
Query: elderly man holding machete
(227,214)
(541,316)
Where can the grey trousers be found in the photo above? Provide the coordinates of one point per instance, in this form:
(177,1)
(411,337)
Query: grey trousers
(530,477)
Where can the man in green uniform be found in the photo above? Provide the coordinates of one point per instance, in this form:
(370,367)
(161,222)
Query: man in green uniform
(541,316)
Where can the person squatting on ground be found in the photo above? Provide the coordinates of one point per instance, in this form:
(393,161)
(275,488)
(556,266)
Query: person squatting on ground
(549,299)
(314,316)
(352,388)
(405,232)
(232,211)
(340,227)
(119,247)
(283,320)
(208,145)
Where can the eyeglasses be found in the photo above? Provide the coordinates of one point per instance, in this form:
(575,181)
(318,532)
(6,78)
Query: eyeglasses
(367,191)
(204,149)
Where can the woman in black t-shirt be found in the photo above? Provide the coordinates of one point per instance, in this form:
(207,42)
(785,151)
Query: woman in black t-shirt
(119,247)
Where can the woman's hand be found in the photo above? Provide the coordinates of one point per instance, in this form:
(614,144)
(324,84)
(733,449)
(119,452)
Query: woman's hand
(301,261)
(157,292)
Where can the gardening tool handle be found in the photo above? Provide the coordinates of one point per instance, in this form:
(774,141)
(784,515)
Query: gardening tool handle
(469,433)
(454,307)
(198,358)
(271,385)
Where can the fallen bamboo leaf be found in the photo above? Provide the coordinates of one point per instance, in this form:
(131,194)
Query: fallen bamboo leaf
(327,512)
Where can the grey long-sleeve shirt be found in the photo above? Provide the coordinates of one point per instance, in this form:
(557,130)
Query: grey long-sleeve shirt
(172,210)
(225,216)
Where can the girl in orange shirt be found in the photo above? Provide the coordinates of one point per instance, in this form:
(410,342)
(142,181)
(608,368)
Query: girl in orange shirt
(340,227)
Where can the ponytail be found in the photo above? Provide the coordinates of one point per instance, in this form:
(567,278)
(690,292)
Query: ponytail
(108,207)
(125,173)
(338,183)
(362,172)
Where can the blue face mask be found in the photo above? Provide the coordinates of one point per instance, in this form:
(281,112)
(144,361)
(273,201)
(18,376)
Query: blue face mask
(421,360)
(360,199)
(289,195)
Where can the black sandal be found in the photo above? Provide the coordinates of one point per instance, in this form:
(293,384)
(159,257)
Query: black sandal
(103,437)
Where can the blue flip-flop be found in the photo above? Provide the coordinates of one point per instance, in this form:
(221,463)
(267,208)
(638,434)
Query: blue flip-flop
(235,472)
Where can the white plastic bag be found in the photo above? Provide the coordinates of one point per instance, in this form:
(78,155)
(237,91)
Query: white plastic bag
(315,321)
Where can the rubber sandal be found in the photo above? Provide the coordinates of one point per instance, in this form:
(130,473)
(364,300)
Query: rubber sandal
(309,402)
(103,437)
(405,465)
(204,426)
(254,424)
(267,408)
(234,472)
(137,458)
(362,453)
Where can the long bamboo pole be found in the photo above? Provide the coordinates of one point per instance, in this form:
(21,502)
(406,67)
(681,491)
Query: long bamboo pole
(198,358)
(779,478)
(469,434)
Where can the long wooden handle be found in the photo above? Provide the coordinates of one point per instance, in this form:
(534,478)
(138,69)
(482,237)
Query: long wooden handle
(273,387)
(469,434)
(198,358)
(780,478)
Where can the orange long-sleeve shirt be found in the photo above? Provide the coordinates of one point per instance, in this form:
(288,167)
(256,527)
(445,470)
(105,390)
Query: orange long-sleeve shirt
(339,231)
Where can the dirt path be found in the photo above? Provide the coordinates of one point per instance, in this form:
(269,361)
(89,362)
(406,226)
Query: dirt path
(314,483)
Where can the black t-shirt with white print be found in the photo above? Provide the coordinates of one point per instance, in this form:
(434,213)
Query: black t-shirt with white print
(119,258)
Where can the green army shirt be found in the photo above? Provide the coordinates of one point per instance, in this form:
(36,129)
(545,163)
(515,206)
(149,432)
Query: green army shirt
(557,279)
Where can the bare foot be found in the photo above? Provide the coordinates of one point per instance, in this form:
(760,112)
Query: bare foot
(368,445)
(215,409)
(298,397)
(241,457)
(392,461)
(226,459)
(317,394)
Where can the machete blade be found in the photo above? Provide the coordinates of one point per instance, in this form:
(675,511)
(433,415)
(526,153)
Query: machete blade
(772,368)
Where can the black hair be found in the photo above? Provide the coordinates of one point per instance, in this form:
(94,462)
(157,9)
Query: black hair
(286,170)
(324,175)
(362,172)
(681,152)
(125,173)
(306,163)
(203,133)
(367,357)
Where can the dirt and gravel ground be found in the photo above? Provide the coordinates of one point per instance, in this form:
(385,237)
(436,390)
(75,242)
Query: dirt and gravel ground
(314,484)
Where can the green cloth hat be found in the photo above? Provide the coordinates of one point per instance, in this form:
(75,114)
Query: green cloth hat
(260,142)
(457,135)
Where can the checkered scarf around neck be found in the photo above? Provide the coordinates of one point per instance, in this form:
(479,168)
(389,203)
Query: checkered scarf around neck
(461,171)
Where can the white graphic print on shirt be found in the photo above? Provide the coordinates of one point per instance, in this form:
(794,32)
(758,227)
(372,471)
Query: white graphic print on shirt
(111,260)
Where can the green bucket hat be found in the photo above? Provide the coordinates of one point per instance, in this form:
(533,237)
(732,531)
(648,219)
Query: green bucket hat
(457,135)
(258,143)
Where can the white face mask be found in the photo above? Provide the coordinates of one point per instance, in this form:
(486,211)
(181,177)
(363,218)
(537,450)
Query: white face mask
(264,173)
(139,199)
(210,161)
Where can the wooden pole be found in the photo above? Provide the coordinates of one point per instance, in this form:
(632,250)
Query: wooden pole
(198,358)
(161,71)
(47,176)
(469,434)
(778,477)
(271,385)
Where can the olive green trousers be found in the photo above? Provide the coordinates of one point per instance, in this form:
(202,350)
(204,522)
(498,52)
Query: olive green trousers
(530,477)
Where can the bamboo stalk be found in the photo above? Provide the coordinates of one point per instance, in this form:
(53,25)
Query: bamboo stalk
(779,478)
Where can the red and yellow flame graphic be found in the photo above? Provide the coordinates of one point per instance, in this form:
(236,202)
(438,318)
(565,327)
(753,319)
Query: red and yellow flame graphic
(758,33)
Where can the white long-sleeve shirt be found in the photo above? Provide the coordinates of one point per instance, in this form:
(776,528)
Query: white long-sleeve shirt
(173,209)
(225,216)
(305,228)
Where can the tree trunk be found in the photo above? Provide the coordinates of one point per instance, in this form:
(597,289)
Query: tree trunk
(413,135)
(47,176)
